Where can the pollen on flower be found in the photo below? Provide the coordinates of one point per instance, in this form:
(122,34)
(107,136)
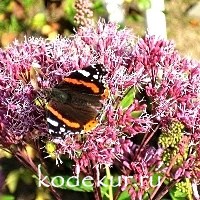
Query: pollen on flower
(51,149)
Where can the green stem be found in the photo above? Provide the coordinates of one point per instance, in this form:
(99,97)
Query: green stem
(108,174)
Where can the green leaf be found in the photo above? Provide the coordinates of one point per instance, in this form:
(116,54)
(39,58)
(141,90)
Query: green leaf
(4,5)
(26,176)
(7,197)
(69,9)
(28,3)
(104,190)
(124,196)
(39,20)
(12,180)
(146,196)
(136,114)
(128,98)
(99,8)
(14,25)
(115,182)
(156,178)
(143,4)
(177,195)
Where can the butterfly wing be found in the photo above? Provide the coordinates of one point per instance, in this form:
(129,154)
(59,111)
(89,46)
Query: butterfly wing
(75,102)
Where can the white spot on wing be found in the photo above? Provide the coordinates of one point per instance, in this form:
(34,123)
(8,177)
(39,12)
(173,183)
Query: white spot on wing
(52,122)
(51,131)
(84,73)
(95,76)
(62,129)
(93,66)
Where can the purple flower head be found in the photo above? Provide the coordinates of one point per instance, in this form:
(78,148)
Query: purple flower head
(21,116)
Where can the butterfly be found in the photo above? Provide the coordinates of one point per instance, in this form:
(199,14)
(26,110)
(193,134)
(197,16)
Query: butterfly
(74,104)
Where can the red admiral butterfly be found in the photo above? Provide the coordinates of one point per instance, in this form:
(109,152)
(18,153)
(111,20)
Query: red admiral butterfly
(75,102)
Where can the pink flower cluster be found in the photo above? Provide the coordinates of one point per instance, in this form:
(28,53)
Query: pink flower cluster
(167,85)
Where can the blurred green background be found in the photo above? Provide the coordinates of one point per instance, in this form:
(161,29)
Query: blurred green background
(48,18)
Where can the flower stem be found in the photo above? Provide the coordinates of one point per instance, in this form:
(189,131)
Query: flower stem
(110,186)
(145,140)
(26,160)
(166,189)
(93,171)
(164,177)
